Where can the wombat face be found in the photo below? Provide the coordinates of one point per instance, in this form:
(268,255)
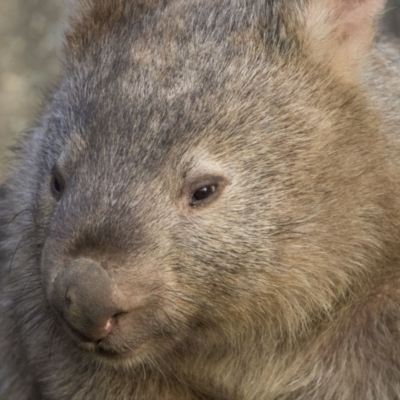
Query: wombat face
(196,183)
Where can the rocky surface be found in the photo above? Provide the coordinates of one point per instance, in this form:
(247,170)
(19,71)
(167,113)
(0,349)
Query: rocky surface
(30,32)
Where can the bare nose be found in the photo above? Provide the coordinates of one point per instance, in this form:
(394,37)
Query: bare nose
(87,299)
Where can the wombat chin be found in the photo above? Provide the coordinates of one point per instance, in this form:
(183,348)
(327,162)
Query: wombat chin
(120,359)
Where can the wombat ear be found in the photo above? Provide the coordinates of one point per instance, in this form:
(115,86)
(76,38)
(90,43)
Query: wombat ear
(341,32)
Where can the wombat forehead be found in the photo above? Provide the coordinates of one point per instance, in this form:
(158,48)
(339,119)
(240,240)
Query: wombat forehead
(118,124)
(121,121)
(177,46)
(157,21)
(155,96)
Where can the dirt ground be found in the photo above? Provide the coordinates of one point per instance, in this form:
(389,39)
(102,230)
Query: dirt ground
(29,35)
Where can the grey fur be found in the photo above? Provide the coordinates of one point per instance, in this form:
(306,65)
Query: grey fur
(285,286)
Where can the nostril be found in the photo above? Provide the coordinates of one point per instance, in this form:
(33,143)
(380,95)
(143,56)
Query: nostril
(111,322)
(68,300)
(118,315)
(107,328)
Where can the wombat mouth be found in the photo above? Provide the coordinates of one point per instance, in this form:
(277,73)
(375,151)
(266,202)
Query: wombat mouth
(107,354)
(104,351)
(98,348)
(112,354)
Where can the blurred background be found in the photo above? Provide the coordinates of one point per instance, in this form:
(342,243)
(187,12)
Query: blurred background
(30,32)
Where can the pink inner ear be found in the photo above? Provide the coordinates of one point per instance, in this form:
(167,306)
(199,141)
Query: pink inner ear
(355,26)
(371,6)
(356,18)
(341,33)
(350,5)
(358,12)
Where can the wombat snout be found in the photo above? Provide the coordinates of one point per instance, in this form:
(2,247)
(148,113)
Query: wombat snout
(86,299)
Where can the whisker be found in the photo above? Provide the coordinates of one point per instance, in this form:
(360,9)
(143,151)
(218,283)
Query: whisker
(26,210)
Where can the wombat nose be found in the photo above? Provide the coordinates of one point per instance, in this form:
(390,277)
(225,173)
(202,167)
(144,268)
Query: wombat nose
(87,299)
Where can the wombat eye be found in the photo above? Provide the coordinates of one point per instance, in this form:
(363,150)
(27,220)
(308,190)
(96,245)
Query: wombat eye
(56,184)
(202,194)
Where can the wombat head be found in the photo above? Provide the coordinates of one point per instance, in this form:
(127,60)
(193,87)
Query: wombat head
(206,169)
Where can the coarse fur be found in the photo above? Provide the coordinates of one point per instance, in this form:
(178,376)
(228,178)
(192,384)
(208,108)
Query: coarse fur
(286,285)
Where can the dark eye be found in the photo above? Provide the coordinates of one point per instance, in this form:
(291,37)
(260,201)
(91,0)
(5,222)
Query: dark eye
(57,184)
(202,194)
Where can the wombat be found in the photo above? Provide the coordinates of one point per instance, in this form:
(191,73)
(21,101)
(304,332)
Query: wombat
(208,208)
